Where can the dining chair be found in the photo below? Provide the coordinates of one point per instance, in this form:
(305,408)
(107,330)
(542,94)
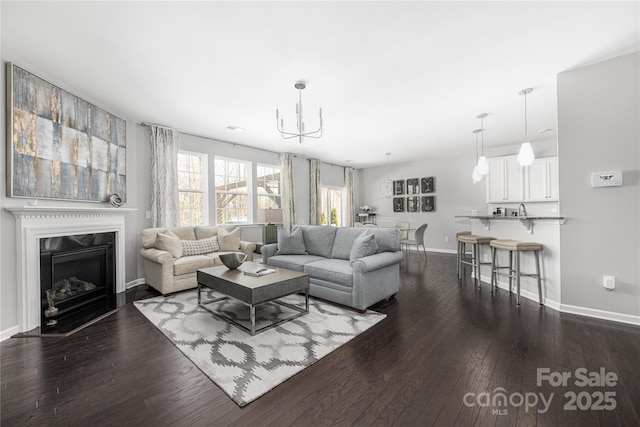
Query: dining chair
(358,224)
(418,241)
(403,226)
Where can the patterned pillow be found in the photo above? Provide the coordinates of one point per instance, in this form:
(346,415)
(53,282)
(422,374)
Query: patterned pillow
(199,247)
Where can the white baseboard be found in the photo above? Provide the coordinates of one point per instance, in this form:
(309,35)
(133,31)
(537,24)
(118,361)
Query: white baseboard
(134,283)
(8,333)
(442,251)
(573,309)
(600,314)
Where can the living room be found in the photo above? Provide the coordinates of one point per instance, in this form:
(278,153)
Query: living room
(601,233)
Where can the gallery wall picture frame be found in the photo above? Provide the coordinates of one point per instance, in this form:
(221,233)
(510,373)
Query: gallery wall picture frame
(428,203)
(398,204)
(398,187)
(413,204)
(428,184)
(60,146)
(413,186)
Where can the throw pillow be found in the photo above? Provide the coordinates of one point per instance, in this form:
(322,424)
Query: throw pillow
(169,242)
(364,245)
(229,240)
(291,244)
(199,247)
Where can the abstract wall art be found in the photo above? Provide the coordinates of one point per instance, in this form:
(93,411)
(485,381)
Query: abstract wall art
(60,146)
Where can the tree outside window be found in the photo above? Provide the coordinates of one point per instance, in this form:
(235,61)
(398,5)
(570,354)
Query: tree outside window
(232,191)
(192,188)
(331,206)
(268,187)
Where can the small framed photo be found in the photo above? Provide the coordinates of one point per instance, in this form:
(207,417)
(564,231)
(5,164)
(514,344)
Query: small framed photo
(413,204)
(413,186)
(398,187)
(428,185)
(428,203)
(398,204)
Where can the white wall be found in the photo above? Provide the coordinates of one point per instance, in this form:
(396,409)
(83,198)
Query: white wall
(455,195)
(598,111)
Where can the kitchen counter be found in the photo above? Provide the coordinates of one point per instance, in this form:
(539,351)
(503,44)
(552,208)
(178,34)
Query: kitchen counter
(526,221)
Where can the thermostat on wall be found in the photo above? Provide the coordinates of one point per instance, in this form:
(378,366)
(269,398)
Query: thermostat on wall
(606,179)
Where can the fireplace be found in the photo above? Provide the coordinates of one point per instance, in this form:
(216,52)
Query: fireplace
(37,223)
(79,269)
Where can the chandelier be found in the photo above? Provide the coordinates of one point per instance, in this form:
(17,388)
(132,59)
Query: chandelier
(299,120)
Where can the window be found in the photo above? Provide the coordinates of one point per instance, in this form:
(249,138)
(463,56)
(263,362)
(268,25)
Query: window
(268,187)
(232,191)
(332,206)
(192,188)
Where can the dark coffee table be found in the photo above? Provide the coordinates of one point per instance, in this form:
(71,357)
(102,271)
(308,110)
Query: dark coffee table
(253,291)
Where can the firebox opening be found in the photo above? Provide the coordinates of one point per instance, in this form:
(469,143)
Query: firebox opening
(80,270)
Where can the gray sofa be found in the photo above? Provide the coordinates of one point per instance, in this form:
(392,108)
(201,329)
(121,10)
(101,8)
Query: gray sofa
(357,283)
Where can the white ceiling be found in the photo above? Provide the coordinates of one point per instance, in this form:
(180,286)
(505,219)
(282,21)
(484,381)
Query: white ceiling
(402,77)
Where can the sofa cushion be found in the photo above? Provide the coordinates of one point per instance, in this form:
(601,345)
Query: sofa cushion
(184,233)
(169,242)
(189,264)
(229,240)
(200,247)
(332,270)
(291,244)
(387,238)
(205,231)
(148,236)
(343,242)
(293,262)
(318,239)
(363,246)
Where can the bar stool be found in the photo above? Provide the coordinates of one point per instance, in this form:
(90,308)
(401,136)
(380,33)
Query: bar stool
(473,260)
(515,247)
(461,250)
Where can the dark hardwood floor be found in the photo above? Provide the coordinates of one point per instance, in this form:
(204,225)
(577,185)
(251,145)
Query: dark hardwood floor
(440,341)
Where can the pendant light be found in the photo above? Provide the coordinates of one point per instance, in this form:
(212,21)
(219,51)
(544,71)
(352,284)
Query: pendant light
(476,176)
(386,185)
(525,156)
(483,164)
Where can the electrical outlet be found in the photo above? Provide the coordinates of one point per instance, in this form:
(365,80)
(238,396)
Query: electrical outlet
(609,282)
(474,211)
(446,238)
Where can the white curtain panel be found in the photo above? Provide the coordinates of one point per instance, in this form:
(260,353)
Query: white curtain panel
(315,207)
(348,200)
(164,176)
(288,195)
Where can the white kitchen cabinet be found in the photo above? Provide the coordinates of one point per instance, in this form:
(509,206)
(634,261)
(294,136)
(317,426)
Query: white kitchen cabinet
(541,180)
(505,180)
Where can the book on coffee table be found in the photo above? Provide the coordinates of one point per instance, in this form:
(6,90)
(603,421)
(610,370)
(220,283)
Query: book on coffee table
(259,271)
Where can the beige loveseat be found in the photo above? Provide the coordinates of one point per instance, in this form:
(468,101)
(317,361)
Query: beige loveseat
(172,256)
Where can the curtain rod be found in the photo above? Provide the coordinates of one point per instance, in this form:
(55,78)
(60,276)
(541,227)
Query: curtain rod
(232,143)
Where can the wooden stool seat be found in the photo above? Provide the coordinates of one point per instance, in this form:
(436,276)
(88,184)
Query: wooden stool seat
(515,247)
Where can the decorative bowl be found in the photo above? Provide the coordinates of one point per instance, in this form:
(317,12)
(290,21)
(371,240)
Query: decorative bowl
(233,260)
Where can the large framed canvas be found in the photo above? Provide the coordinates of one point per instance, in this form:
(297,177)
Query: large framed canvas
(60,146)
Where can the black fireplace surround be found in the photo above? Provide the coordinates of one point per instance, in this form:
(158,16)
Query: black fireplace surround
(81,270)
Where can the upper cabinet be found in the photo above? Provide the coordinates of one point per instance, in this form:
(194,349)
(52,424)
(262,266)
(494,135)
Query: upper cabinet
(541,180)
(505,181)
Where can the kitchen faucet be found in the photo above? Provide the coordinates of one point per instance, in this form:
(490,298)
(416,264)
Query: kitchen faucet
(524,210)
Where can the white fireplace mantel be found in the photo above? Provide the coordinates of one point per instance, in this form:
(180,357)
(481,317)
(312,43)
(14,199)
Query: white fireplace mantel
(37,222)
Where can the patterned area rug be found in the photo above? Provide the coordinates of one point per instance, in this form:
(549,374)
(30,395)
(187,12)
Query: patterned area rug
(247,367)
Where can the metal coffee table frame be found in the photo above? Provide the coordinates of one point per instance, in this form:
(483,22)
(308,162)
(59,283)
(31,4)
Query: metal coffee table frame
(252,306)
